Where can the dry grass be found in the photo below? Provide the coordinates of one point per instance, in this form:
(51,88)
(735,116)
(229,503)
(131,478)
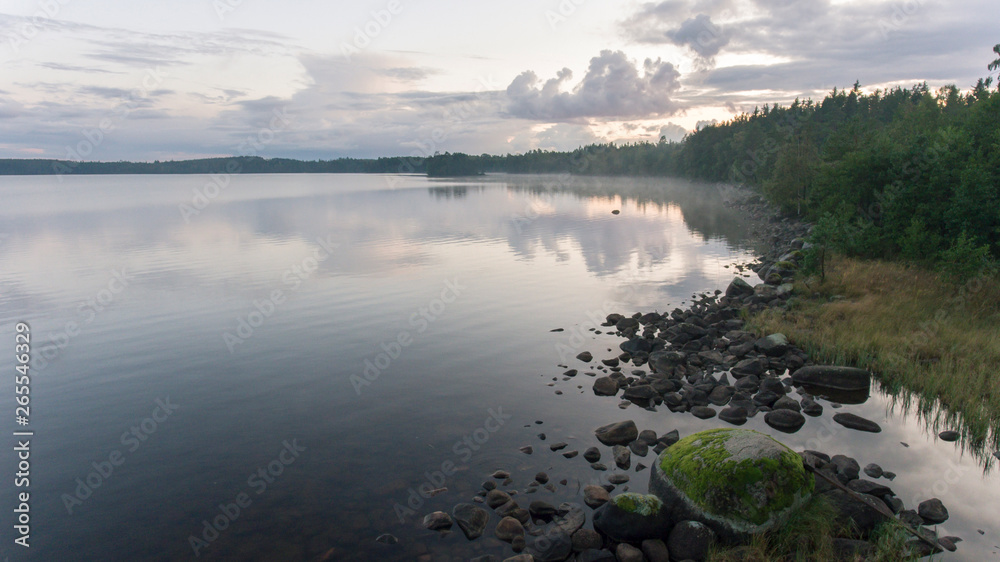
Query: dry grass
(919,332)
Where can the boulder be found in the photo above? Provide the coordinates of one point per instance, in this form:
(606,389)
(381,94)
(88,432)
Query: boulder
(739,288)
(852,421)
(605,386)
(471,519)
(932,511)
(837,378)
(774,345)
(690,540)
(738,482)
(863,516)
(632,517)
(620,433)
(788,421)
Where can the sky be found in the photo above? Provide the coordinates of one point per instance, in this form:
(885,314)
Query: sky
(319,79)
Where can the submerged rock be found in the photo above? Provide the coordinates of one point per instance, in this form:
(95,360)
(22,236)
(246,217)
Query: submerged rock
(837,378)
(738,482)
(852,421)
(632,517)
(621,433)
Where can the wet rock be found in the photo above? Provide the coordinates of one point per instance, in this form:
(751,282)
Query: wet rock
(585,356)
(786,403)
(748,367)
(622,456)
(873,470)
(863,515)
(593,454)
(437,521)
(739,288)
(594,555)
(585,539)
(496,498)
(703,412)
(863,486)
(811,408)
(647,436)
(541,478)
(655,550)
(558,446)
(527,450)
(636,345)
(949,435)
(932,511)
(853,421)
(640,393)
(501,475)
(605,386)
(639,448)
(570,454)
(471,519)
(620,433)
(721,395)
(595,496)
(669,438)
(735,415)
(836,378)
(542,510)
(555,545)
(847,469)
(632,518)
(628,553)
(774,345)
(788,421)
(508,528)
(690,540)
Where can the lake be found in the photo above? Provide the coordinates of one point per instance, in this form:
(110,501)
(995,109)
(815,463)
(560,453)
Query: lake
(290,357)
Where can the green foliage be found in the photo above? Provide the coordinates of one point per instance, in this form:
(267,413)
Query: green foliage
(964,260)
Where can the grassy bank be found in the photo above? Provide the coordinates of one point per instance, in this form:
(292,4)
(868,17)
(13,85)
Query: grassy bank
(916,329)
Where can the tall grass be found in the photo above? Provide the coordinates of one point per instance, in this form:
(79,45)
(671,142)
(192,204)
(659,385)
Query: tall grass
(923,336)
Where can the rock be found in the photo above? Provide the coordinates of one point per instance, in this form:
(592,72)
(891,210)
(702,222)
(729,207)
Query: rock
(862,515)
(739,288)
(640,393)
(496,498)
(852,421)
(669,438)
(501,475)
(618,479)
(932,511)
(636,345)
(639,448)
(622,456)
(627,325)
(542,510)
(632,517)
(847,469)
(595,496)
(585,539)
(647,436)
(655,550)
(811,407)
(585,356)
(788,421)
(437,521)
(721,395)
(735,415)
(665,361)
(508,528)
(950,436)
(558,446)
(620,433)
(555,545)
(527,450)
(698,477)
(387,539)
(598,466)
(746,367)
(628,553)
(703,412)
(570,454)
(571,517)
(774,345)
(786,403)
(471,519)
(690,540)
(836,378)
(863,486)
(605,386)
(873,470)
(593,454)
(541,478)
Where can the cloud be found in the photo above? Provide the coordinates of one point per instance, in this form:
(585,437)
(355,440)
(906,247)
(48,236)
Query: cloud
(701,36)
(673,132)
(612,87)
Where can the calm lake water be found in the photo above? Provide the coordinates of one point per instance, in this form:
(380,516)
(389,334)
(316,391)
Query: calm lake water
(350,336)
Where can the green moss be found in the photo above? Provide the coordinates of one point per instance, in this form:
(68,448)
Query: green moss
(786,266)
(751,490)
(638,503)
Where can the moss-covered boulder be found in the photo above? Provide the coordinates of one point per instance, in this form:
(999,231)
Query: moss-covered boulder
(736,481)
(631,517)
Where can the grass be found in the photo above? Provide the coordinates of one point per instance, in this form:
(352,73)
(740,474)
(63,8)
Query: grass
(923,335)
(808,536)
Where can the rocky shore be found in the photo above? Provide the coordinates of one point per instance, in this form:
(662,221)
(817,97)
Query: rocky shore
(718,487)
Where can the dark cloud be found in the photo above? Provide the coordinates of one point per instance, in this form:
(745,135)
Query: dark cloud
(702,36)
(613,87)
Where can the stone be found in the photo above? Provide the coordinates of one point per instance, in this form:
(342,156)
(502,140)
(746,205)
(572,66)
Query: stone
(786,403)
(736,481)
(632,517)
(739,288)
(665,361)
(655,550)
(863,486)
(721,395)
(774,345)
(647,436)
(703,412)
(628,553)
(508,528)
(585,356)
(585,539)
(788,421)
(735,415)
(949,436)
(690,540)
(595,555)
(639,448)
(746,367)
(595,496)
(605,386)
(496,498)
(847,469)
(640,393)
(555,545)
(836,378)
(542,510)
(932,511)
(471,519)
(437,521)
(622,456)
(620,433)
(618,479)
(593,454)
(853,421)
